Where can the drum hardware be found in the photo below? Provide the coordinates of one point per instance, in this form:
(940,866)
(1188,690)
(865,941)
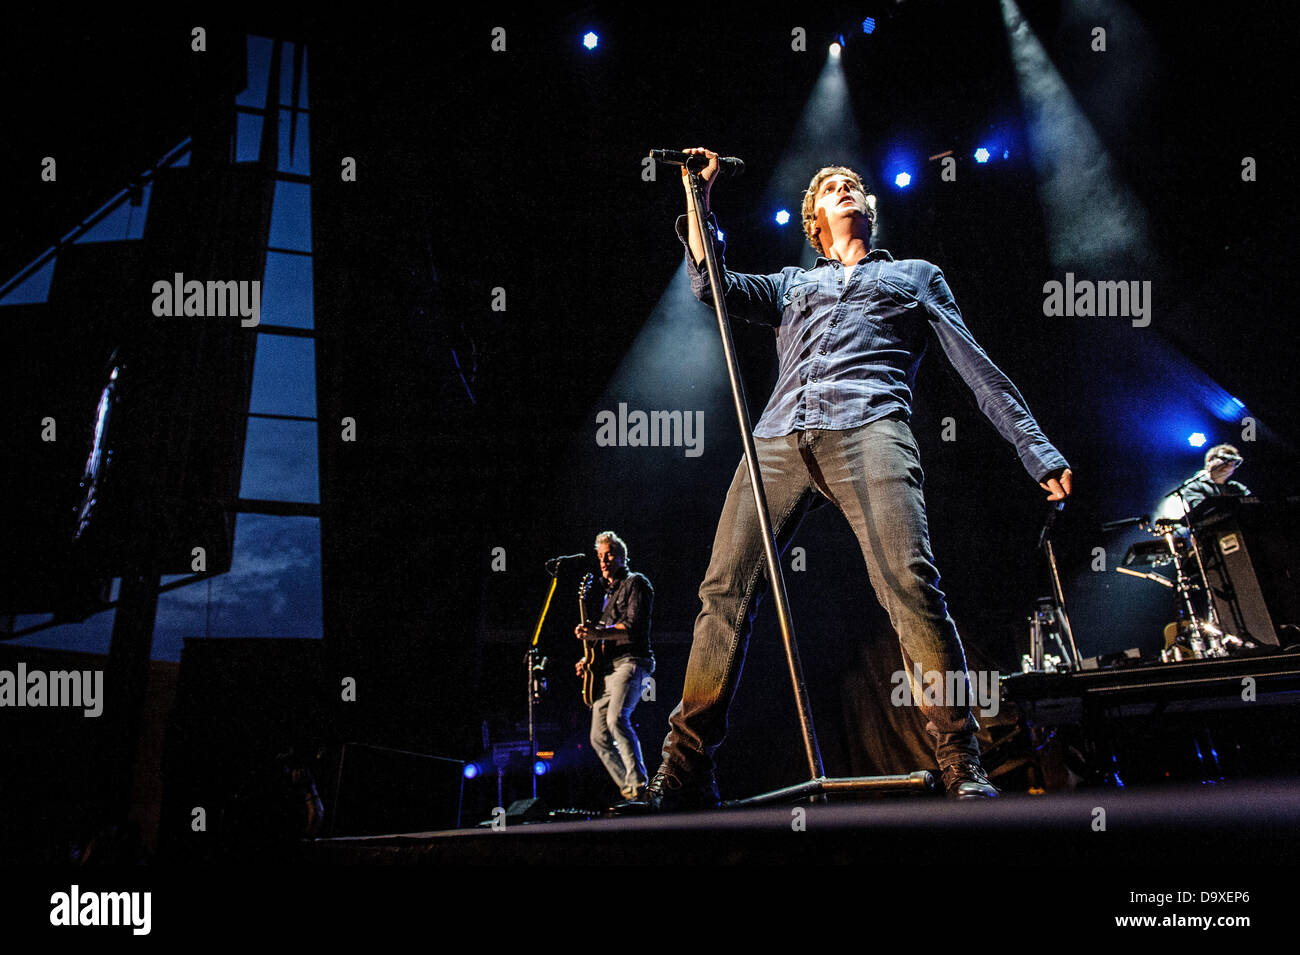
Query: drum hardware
(1044,624)
(1191,637)
(1164,581)
(1050,663)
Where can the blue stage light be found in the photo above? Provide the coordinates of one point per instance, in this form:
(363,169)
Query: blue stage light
(1006,154)
(1196,440)
(782,217)
(541,767)
(869,25)
(471,770)
(590,41)
(981,155)
(903,180)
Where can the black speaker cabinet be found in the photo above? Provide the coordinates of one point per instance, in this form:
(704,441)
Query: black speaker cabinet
(1250,553)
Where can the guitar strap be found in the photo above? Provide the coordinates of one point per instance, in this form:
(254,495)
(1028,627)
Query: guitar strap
(603,606)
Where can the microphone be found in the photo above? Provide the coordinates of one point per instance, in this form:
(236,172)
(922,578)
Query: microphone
(727,165)
(1052,513)
(553,565)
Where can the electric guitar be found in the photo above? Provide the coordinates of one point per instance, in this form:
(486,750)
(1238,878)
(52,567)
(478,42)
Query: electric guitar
(590,648)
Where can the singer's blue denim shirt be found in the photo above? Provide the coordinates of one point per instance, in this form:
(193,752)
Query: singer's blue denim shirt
(849,351)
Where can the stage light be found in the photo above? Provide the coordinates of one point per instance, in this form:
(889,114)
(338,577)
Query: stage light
(981,155)
(1171,509)
(1006,154)
(721,235)
(1196,440)
(903,180)
(836,49)
(472,771)
(541,767)
(782,217)
(869,25)
(590,41)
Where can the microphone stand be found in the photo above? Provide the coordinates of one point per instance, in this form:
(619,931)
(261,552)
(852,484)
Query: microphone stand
(536,678)
(1058,594)
(818,784)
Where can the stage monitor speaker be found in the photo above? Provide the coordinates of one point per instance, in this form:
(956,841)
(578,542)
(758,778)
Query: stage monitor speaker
(527,810)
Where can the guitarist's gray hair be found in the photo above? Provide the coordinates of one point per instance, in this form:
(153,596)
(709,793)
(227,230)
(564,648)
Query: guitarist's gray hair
(616,543)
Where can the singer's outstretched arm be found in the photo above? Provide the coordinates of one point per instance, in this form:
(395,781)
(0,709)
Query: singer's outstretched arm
(755,298)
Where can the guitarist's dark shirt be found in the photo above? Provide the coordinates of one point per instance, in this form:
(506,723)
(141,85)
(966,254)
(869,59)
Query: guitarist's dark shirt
(628,601)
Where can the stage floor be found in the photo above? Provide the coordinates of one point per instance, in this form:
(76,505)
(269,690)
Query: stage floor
(1229,824)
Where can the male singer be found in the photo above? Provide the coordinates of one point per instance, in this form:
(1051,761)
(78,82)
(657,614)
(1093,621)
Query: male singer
(849,335)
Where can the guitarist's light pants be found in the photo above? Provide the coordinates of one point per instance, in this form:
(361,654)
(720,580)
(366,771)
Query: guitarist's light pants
(612,735)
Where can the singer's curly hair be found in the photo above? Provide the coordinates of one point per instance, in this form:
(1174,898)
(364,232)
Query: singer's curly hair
(810,202)
(615,543)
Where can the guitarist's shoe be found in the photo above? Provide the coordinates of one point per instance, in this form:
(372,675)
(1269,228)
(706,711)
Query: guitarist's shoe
(632,804)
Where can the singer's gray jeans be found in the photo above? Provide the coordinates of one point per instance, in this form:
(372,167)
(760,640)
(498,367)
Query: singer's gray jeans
(873,475)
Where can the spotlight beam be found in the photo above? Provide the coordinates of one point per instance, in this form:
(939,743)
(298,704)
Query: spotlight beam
(1094,222)
(827,134)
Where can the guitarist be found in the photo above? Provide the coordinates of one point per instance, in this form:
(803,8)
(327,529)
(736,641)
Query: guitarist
(624,659)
